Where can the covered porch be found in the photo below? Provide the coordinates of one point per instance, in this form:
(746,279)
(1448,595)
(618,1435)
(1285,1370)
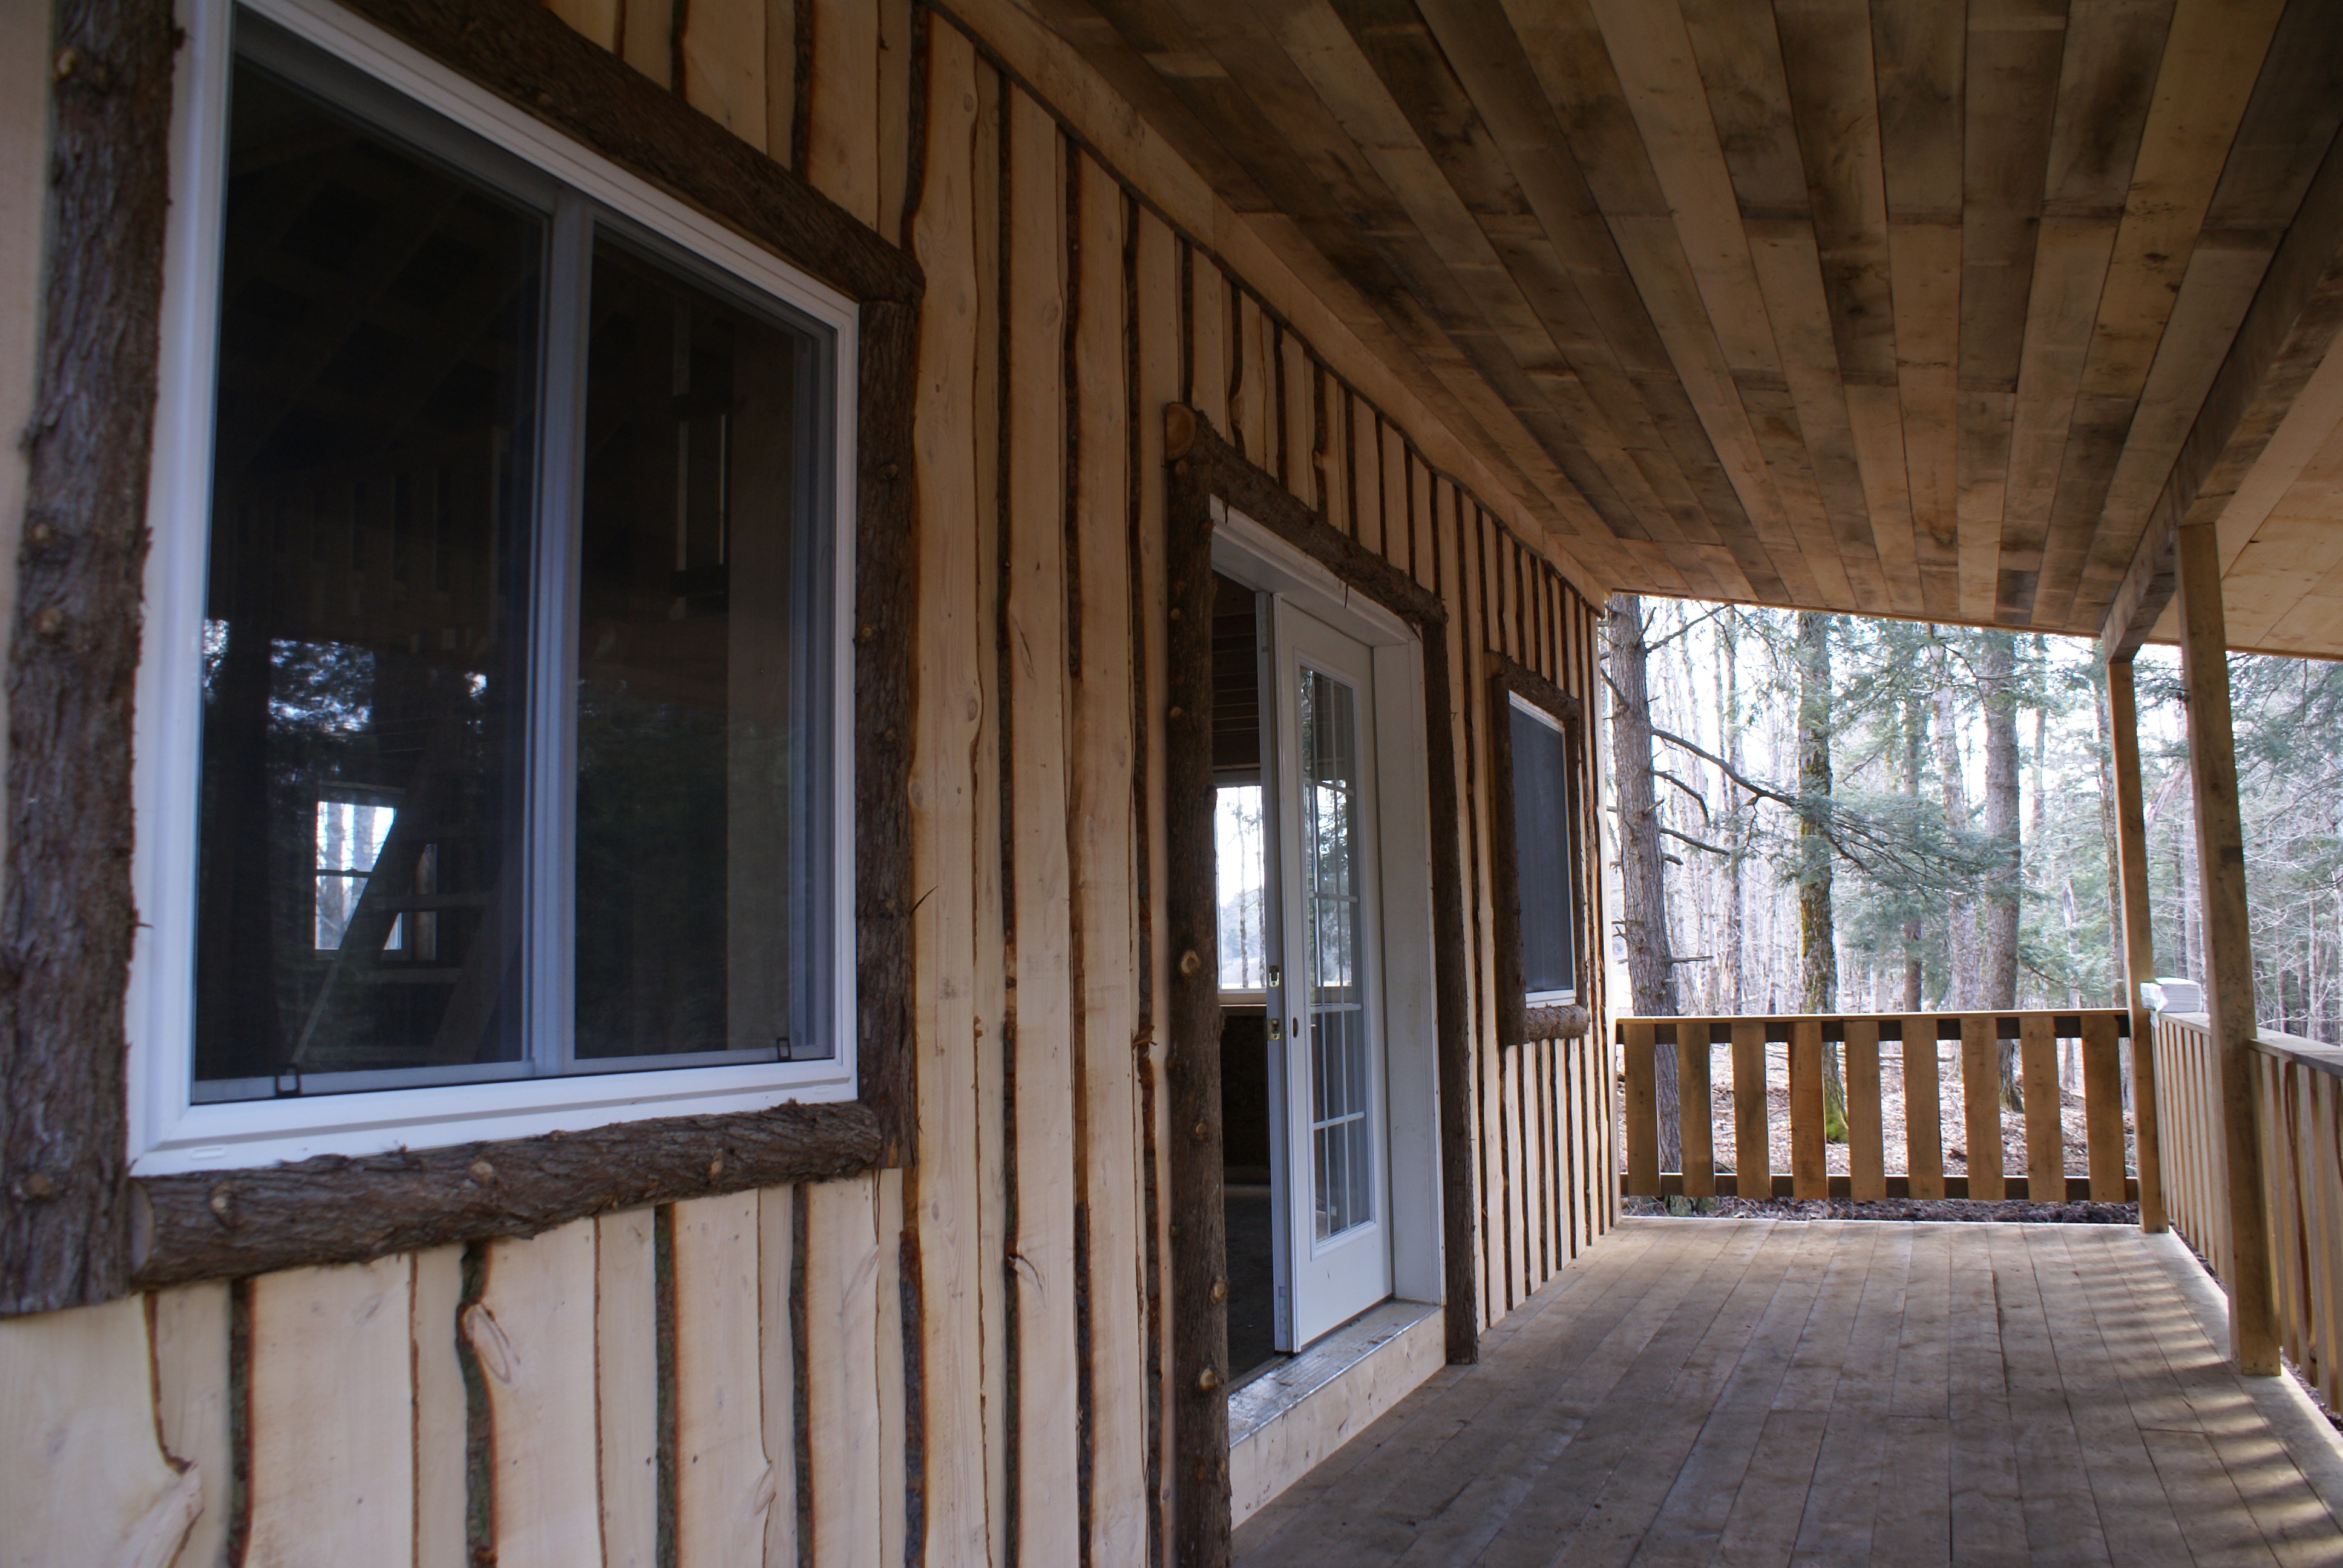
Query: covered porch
(1763,1391)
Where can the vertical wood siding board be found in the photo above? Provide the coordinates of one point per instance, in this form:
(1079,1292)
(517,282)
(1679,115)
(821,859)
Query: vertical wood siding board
(841,153)
(778,1376)
(1187,335)
(663,1448)
(719,58)
(889,1372)
(188,1332)
(594,19)
(944,1192)
(1157,373)
(800,150)
(341,1490)
(840,1260)
(781,77)
(1101,821)
(724,1483)
(1452,531)
(646,39)
(627,1387)
(1041,1236)
(801,1364)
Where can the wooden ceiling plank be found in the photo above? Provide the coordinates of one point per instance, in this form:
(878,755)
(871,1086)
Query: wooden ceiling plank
(2297,465)
(2280,345)
(1653,57)
(1919,55)
(2204,79)
(2009,92)
(2296,107)
(1827,65)
(2071,263)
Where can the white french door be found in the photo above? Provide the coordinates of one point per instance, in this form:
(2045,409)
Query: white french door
(1328,1129)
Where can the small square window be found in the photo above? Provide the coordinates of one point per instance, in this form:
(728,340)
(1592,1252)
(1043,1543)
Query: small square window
(1545,853)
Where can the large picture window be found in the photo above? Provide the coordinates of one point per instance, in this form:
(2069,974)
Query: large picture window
(519,741)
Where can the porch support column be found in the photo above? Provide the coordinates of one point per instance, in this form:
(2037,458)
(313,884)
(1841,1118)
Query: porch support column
(2139,940)
(2229,942)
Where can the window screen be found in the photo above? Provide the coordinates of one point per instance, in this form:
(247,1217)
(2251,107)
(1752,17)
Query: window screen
(511,609)
(1542,841)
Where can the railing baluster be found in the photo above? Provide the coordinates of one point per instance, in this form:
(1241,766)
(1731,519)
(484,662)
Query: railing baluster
(1924,1114)
(1643,1110)
(1866,1154)
(1809,1166)
(2323,1102)
(1981,1103)
(1753,1172)
(1694,1109)
(2103,1123)
(2046,1131)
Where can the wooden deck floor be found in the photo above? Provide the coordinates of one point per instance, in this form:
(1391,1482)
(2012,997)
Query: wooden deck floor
(1764,1391)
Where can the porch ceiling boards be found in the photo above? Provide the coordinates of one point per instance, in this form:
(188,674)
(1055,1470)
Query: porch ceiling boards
(1906,308)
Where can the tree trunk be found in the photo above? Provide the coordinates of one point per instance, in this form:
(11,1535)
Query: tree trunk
(2107,827)
(1915,723)
(1998,921)
(1729,714)
(1960,913)
(1817,933)
(1643,875)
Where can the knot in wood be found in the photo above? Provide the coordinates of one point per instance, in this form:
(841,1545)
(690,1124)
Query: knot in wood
(889,471)
(715,1169)
(1207,1380)
(481,1171)
(1190,963)
(1202,1133)
(1177,714)
(34,1187)
(1219,1291)
(72,65)
(222,1203)
(49,623)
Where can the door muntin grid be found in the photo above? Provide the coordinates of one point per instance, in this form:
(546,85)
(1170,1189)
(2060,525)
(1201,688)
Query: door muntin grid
(1341,1127)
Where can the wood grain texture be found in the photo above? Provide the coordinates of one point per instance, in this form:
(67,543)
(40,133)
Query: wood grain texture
(725,1484)
(250,1221)
(533,1330)
(66,918)
(336,1339)
(626,1386)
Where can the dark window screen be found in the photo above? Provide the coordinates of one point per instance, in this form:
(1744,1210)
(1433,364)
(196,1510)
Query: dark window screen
(1542,848)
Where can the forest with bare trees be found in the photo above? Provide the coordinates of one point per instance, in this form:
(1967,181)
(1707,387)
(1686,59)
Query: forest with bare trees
(1834,813)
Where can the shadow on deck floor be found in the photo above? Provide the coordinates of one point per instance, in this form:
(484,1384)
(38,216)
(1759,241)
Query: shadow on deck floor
(1761,1392)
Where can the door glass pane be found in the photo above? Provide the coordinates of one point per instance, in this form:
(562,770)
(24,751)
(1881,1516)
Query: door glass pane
(1340,1135)
(1242,873)
(364,640)
(689,767)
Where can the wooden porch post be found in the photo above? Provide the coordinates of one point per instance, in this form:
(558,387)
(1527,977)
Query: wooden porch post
(2228,940)
(2139,940)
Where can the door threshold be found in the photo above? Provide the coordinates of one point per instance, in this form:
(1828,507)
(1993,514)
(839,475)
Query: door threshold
(1298,1408)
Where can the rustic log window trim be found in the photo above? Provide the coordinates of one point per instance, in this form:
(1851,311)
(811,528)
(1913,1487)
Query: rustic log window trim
(1202,468)
(1519,1023)
(75,1229)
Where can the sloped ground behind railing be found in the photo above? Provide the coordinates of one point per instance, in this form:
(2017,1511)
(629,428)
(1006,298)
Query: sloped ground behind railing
(1903,1075)
(2299,1085)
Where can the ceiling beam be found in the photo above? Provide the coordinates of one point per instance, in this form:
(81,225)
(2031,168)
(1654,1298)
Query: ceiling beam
(2286,334)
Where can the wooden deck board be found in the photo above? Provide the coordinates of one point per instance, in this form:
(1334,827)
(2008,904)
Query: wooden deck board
(1753,1391)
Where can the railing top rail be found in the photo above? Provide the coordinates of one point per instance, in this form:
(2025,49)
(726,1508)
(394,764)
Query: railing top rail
(2293,1048)
(2065,1023)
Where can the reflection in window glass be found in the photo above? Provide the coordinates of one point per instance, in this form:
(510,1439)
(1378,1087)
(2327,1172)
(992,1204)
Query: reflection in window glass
(689,869)
(1243,874)
(1341,1134)
(365,638)
(1544,871)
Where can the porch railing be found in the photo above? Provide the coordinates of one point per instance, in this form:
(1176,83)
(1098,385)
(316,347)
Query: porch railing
(1924,1050)
(2299,1086)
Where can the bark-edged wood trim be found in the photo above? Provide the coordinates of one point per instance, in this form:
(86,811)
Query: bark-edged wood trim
(1202,466)
(65,1235)
(66,923)
(1517,1022)
(333,1210)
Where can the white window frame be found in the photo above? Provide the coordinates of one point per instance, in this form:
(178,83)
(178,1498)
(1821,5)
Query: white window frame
(1566,995)
(168,1133)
